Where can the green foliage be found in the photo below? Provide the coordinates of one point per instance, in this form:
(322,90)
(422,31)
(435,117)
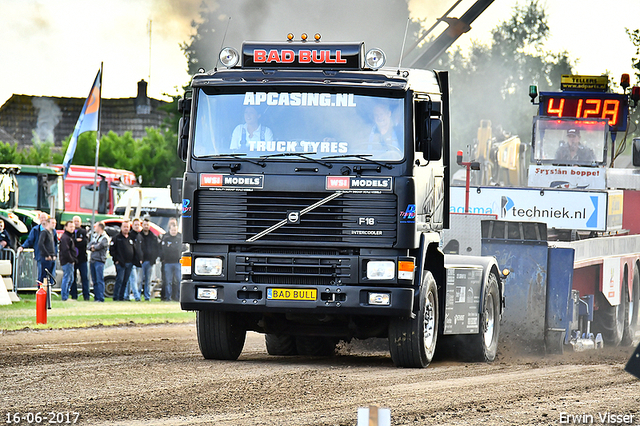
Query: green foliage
(634,119)
(634,36)
(37,154)
(153,157)
(491,82)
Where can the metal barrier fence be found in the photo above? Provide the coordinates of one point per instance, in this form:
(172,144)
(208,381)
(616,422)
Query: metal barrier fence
(10,255)
(25,271)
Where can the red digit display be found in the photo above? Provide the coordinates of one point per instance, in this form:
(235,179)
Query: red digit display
(610,106)
(557,110)
(595,111)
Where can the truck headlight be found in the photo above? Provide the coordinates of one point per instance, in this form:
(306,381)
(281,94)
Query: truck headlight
(208,266)
(383,299)
(205,293)
(381,270)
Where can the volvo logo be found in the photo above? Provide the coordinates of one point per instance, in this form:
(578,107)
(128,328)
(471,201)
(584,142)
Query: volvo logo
(293,217)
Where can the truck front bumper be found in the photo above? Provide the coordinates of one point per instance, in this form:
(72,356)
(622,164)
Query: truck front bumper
(344,300)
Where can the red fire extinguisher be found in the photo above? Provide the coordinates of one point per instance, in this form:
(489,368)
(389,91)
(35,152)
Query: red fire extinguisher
(41,304)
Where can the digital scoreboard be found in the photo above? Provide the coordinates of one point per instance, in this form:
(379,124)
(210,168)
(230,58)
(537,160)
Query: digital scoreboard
(611,106)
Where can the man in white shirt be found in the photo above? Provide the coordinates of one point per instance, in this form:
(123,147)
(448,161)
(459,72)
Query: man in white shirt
(250,131)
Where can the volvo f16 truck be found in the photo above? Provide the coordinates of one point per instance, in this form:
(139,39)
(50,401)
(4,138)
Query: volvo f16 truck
(315,192)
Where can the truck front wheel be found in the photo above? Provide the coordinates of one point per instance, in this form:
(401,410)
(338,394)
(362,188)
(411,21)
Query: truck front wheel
(412,341)
(221,335)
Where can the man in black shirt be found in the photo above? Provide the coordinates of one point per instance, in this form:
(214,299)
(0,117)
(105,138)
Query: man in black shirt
(171,252)
(68,258)
(80,235)
(151,252)
(122,252)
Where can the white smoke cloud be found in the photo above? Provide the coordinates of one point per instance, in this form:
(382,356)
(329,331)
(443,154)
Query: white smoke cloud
(49,115)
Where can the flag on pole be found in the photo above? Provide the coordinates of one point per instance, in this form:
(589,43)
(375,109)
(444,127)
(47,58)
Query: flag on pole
(87,122)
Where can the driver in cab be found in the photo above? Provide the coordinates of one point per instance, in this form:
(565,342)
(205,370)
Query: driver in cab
(573,150)
(250,131)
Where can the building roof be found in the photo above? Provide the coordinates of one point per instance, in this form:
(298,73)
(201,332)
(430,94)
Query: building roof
(24,118)
(6,137)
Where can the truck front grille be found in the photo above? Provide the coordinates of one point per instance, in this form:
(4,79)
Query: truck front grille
(225,217)
(292,269)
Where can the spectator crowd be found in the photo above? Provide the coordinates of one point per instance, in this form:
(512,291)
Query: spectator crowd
(135,249)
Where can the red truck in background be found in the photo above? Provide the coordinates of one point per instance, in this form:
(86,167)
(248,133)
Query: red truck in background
(79,187)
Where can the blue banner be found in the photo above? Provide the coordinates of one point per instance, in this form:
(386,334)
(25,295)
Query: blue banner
(87,122)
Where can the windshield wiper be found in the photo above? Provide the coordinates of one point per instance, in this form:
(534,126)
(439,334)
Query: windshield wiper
(220,156)
(360,156)
(295,154)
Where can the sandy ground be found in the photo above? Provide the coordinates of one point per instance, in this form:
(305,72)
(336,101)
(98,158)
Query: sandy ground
(155,375)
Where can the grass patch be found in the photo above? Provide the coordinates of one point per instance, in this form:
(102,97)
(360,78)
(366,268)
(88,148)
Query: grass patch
(75,313)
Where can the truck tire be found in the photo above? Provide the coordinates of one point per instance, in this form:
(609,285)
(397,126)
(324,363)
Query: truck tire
(412,341)
(610,320)
(483,347)
(315,346)
(631,323)
(280,344)
(221,335)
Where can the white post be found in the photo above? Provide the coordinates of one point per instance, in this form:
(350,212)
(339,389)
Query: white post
(374,416)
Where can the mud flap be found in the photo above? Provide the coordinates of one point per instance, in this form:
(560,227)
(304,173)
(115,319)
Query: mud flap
(633,366)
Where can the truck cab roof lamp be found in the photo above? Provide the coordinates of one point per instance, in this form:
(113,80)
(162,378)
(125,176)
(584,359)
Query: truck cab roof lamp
(375,58)
(229,57)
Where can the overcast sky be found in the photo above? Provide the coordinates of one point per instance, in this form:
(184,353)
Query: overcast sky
(54,47)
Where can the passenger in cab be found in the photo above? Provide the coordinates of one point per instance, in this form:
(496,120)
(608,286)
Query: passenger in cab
(384,137)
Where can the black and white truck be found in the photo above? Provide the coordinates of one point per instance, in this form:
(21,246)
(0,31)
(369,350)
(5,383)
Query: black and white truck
(315,192)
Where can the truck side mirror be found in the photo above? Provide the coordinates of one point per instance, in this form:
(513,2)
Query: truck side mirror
(176,190)
(432,149)
(636,152)
(429,131)
(103,196)
(184,104)
(183,138)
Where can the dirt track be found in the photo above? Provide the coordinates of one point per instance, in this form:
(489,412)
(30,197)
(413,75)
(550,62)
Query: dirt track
(155,375)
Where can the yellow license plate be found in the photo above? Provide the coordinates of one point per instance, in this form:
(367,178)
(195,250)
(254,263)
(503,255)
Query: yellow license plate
(291,293)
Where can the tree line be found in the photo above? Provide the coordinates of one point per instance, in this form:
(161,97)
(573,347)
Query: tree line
(152,157)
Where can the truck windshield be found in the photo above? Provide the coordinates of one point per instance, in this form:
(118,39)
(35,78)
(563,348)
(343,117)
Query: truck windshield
(570,141)
(34,192)
(316,124)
